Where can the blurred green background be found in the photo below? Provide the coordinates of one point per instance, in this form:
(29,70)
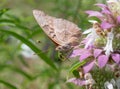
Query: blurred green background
(25,63)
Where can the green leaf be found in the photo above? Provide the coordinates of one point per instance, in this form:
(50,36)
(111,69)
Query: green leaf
(13,17)
(6,21)
(33,47)
(77,65)
(2,67)
(2,11)
(15,23)
(76,74)
(8,84)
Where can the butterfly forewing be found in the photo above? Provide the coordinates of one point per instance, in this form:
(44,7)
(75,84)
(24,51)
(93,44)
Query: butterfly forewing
(46,23)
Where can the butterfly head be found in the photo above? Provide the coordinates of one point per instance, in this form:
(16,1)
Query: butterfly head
(65,47)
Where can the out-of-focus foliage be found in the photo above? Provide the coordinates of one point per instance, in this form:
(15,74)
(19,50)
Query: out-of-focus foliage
(35,66)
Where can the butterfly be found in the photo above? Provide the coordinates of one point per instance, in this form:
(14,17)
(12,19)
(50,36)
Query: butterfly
(65,34)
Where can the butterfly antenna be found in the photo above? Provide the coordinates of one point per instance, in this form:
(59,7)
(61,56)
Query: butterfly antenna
(41,52)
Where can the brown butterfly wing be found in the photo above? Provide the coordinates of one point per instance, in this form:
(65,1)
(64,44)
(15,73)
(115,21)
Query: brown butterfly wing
(46,23)
(67,32)
(59,30)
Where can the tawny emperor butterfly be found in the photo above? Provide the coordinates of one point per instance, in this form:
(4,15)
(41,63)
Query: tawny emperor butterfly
(62,32)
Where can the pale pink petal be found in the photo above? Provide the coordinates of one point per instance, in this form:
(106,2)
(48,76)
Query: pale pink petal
(77,52)
(94,13)
(105,11)
(84,41)
(102,60)
(97,52)
(118,20)
(90,47)
(101,5)
(106,25)
(85,55)
(77,81)
(104,7)
(87,67)
(116,57)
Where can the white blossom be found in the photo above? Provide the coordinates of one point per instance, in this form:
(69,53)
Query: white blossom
(91,37)
(108,85)
(108,48)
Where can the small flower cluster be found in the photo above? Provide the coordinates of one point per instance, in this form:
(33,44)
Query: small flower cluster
(101,46)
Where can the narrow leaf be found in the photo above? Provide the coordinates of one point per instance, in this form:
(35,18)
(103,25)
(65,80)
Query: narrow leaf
(8,84)
(77,65)
(20,71)
(33,47)
(2,11)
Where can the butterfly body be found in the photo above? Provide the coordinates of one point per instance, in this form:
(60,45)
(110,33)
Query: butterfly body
(63,33)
